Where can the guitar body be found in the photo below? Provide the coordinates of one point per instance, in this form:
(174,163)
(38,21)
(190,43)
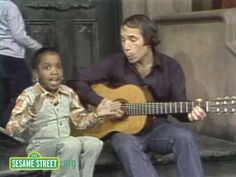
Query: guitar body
(131,124)
(137,103)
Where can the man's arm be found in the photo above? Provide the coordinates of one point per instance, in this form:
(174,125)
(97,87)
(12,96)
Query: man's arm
(178,91)
(99,73)
(179,94)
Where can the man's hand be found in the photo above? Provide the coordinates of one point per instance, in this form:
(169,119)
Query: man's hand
(197,113)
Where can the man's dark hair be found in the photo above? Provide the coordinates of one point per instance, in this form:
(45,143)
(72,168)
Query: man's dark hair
(147,27)
(39,53)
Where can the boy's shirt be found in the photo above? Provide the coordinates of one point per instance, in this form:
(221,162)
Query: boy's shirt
(56,111)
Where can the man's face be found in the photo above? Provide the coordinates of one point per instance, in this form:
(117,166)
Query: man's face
(133,44)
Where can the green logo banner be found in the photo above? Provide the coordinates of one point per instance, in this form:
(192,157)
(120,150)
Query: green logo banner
(34,161)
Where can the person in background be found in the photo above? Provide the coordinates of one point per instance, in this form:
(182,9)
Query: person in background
(48,108)
(14,73)
(143,65)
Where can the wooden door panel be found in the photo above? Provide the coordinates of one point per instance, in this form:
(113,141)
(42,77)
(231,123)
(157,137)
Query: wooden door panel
(85,43)
(42,30)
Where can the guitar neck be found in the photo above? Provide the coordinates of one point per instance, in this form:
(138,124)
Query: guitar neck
(162,108)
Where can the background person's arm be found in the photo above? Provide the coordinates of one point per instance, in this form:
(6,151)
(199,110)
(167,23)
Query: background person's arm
(17,29)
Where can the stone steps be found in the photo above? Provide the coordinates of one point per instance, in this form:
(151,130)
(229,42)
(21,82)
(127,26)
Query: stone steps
(219,160)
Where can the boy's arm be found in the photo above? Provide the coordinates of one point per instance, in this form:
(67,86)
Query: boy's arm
(20,116)
(79,117)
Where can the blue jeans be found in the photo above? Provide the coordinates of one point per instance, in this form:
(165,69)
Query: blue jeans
(164,137)
(14,77)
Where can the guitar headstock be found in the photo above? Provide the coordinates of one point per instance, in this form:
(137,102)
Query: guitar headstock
(226,105)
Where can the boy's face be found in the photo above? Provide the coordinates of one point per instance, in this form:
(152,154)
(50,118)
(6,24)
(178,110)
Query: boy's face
(50,71)
(133,44)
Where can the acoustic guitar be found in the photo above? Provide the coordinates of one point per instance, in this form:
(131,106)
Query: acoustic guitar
(139,108)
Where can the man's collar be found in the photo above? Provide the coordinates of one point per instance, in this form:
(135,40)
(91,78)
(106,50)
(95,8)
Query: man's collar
(157,59)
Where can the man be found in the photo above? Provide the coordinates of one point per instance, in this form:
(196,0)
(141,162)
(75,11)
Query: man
(14,74)
(141,64)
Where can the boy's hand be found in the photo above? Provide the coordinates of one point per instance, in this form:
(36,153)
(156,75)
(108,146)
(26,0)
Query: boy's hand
(107,108)
(37,104)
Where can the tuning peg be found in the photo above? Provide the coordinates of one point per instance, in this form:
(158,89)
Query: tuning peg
(233,110)
(233,101)
(233,98)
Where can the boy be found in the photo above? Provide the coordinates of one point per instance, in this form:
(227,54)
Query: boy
(47,107)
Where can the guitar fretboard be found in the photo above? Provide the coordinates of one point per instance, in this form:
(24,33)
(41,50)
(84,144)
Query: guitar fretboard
(161,108)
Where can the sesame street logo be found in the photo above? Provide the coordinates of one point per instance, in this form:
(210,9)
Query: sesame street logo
(34,161)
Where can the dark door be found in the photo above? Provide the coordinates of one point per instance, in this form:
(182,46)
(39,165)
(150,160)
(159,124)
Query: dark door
(83,30)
